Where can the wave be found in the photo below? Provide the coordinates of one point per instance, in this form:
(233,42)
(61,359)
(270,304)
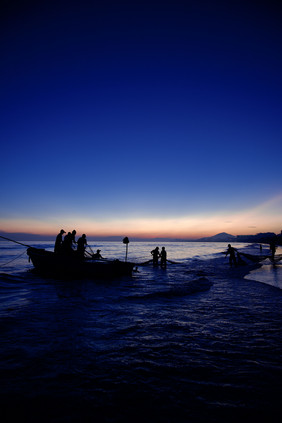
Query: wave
(10,277)
(188,288)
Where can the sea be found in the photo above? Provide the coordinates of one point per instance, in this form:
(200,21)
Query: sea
(199,341)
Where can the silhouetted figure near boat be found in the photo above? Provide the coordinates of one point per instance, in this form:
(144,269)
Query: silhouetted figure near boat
(59,241)
(73,241)
(155,253)
(81,244)
(232,256)
(163,257)
(97,255)
(67,244)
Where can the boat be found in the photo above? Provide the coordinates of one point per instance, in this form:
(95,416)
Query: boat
(72,266)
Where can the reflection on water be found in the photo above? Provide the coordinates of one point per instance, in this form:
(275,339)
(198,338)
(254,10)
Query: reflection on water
(269,273)
(192,343)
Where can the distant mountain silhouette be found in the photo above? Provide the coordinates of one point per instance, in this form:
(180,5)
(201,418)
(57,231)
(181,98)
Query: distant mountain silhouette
(265,237)
(222,237)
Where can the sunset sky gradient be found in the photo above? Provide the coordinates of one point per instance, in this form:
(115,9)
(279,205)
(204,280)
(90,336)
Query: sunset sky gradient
(141,119)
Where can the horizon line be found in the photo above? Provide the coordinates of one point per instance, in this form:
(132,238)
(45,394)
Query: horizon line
(25,236)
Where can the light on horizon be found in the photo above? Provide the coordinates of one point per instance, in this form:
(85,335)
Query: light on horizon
(264,217)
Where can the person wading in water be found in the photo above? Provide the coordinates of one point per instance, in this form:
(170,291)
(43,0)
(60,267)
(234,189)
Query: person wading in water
(156,255)
(232,257)
(163,257)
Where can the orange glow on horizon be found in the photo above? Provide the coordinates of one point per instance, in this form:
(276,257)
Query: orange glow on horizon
(265,217)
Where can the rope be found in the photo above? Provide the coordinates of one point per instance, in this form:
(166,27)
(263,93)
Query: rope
(5,264)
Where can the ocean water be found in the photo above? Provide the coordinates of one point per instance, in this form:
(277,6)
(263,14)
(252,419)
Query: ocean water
(197,341)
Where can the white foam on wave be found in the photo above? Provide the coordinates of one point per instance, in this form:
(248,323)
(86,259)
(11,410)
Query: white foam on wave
(268,273)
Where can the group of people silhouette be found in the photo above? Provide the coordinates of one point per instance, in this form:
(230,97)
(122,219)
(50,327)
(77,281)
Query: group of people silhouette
(70,247)
(67,245)
(157,254)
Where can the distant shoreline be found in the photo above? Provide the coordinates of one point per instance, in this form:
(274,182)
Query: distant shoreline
(261,238)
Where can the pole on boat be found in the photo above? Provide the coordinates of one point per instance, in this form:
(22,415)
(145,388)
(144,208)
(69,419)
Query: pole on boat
(126,242)
(12,240)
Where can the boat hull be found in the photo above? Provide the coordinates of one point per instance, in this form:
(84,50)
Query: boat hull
(60,265)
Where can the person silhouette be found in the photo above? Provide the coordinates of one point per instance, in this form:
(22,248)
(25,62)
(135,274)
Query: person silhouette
(272,247)
(97,255)
(73,241)
(81,243)
(59,241)
(156,255)
(67,244)
(232,257)
(163,257)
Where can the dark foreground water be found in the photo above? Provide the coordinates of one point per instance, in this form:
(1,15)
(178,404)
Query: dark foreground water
(195,342)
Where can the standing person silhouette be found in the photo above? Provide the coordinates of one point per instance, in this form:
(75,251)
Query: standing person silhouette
(81,243)
(232,257)
(272,247)
(59,241)
(163,257)
(73,241)
(67,244)
(156,255)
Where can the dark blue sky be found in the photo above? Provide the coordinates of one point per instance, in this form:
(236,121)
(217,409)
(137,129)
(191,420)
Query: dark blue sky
(135,117)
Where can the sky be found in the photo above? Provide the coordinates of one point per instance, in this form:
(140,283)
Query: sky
(135,118)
